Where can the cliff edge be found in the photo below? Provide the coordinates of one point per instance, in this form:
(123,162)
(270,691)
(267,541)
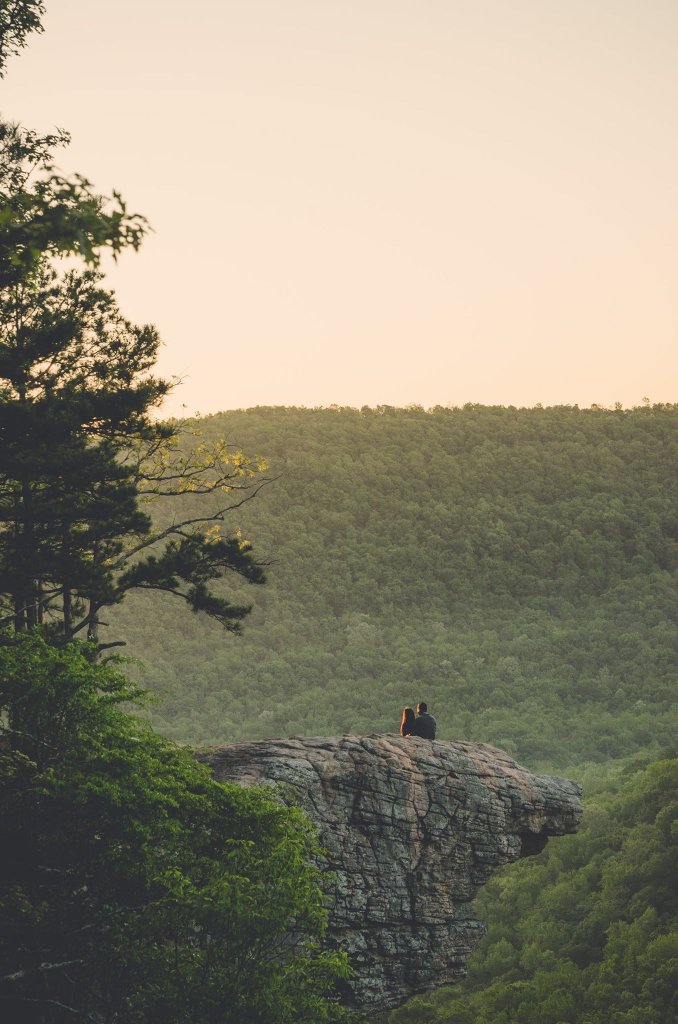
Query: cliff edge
(411,828)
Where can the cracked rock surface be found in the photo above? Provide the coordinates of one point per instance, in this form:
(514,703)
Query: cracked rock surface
(411,828)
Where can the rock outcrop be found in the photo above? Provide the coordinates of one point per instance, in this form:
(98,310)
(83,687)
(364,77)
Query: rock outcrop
(412,828)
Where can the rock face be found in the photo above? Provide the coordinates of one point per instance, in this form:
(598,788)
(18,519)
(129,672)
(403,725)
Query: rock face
(412,828)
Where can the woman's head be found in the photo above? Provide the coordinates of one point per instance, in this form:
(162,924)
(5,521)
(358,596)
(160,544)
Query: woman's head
(408,716)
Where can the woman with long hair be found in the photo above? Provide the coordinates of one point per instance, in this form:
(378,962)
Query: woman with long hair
(407,724)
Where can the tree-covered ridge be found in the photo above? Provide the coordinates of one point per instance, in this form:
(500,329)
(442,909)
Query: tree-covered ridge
(514,567)
(488,501)
(587,932)
(494,489)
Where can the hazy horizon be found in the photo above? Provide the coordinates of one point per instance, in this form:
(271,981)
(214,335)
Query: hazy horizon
(382,203)
(419,407)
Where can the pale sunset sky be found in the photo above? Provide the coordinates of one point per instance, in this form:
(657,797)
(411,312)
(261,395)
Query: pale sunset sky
(369,202)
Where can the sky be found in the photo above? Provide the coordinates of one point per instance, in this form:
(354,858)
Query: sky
(365,202)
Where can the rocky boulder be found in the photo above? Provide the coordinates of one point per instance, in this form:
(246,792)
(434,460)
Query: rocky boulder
(411,829)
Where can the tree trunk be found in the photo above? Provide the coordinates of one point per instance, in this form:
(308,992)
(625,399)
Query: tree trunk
(68,610)
(93,622)
(28,584)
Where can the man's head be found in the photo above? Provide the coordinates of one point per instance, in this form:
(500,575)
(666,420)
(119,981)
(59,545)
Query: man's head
(422,707)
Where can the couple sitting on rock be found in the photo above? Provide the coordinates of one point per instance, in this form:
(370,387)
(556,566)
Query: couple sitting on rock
(423,724)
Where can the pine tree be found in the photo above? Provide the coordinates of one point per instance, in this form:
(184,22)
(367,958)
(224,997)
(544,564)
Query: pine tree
(79,447)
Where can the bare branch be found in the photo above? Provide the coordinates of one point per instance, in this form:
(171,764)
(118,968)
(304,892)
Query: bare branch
(44,1002)
(176,528)
(42,969)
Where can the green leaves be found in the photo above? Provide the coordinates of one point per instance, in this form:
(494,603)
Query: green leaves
(185,568)
(44,215)
(132,886)
(18,18)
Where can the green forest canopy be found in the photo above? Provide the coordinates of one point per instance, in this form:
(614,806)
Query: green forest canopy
(517,568)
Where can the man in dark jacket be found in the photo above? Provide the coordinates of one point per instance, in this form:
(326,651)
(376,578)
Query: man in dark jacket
(424,724)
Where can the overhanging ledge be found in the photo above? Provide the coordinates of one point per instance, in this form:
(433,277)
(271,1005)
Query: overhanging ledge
(412,829)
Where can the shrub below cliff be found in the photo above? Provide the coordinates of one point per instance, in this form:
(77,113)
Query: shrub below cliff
(133,887)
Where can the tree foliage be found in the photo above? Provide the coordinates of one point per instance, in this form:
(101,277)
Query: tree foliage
(44,214)
(133,887)
(80,448)
(18,18)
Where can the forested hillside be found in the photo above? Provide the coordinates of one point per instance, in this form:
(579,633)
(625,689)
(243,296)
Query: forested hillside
(517,568)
